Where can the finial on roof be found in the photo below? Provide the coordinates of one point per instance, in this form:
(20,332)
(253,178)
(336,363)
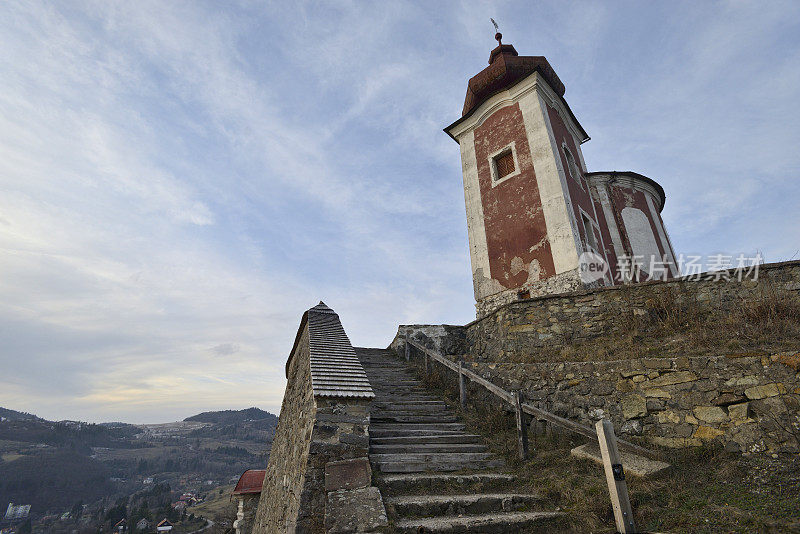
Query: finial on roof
(498,35)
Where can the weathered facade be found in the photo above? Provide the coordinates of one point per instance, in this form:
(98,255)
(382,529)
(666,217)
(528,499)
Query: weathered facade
(324,420)
(532,207)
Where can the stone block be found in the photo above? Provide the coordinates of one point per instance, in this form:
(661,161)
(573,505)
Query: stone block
(707,433)
(739,413)
(633,464)
(676,443)
(726,399)
(749,380)
(351,511)
(633,427)
(633,406)
(657,363)
(348,474)
(765,391)
(678,377)
(657,393)
(668,417)
(710,414)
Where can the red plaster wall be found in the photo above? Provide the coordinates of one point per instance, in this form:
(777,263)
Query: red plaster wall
(512,209)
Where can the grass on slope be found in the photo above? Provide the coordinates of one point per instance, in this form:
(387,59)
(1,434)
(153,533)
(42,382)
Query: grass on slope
(670,326)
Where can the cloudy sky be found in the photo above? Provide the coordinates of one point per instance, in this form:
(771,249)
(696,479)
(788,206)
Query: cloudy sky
(180,180)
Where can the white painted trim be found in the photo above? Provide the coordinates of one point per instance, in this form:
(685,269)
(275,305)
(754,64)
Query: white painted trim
(595,226)
(665,244)
(611,221)
(580,179)
(476,229)
(493,165)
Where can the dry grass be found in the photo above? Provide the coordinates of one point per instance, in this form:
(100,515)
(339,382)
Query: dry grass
(670,325)
(706,491)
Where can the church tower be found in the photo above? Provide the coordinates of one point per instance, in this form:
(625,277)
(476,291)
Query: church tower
(534,213)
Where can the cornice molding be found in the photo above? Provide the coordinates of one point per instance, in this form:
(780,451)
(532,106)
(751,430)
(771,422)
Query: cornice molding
(510,96)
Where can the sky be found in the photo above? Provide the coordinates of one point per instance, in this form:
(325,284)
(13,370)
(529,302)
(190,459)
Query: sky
(180,180)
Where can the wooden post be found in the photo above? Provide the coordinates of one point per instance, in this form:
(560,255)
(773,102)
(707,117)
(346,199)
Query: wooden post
(522,427)
(462,385)
(615,477)
(408,350)
(427,364)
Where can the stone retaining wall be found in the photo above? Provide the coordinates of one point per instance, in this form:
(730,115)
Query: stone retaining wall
(748,403)
(520,328)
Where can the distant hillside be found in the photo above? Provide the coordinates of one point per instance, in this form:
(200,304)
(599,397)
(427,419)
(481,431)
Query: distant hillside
(13,415)
(229,417)
(53,480)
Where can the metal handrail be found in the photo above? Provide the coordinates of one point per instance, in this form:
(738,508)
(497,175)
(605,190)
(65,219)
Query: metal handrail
(516,401)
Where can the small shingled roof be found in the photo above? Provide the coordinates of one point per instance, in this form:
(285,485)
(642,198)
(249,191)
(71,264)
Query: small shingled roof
(335,369)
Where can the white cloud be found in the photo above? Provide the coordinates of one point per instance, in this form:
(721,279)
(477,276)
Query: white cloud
(178,181)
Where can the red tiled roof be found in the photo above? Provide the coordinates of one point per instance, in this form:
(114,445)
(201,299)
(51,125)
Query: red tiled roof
(250,482)
(507,67)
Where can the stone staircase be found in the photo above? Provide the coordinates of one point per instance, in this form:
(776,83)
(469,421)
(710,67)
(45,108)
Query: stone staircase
(436,477)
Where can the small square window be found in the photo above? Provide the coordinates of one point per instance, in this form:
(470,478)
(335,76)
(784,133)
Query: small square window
(504,164)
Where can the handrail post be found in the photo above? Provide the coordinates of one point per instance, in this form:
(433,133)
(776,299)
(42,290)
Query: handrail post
(462,386)
(522,427)
(408,350)
(427,363)
(615,477)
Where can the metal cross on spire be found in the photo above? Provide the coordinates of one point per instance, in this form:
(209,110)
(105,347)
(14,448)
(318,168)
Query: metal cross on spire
(498,35)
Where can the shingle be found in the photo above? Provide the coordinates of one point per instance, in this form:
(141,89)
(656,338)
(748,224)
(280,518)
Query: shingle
(335,369)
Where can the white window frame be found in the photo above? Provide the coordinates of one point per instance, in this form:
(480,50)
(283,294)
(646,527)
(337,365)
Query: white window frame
(596,233)
(567,155)
(493,164)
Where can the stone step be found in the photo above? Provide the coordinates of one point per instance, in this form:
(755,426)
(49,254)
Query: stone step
(419,426)
(496,523)
(432,402)
(422,448)
(407,397)
(434,461)
(377,433)
(426,437)
(412,418)
(427,482)
(405,466)
(442,505)
(409,406)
